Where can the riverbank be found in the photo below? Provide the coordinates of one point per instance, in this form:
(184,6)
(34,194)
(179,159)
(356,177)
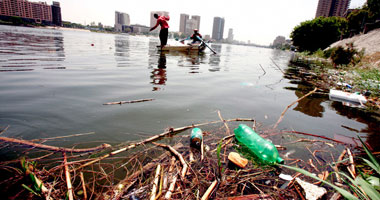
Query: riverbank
(359,76)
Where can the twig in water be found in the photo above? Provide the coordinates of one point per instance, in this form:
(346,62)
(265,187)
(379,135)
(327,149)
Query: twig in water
(53,148)
(124,102)
(290,105)
(5,129)
(277,66)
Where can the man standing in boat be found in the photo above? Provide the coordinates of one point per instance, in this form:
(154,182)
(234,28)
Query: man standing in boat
(196,37)
(162,21)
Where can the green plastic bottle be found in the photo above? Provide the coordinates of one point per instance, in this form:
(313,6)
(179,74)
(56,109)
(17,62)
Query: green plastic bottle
(264,150)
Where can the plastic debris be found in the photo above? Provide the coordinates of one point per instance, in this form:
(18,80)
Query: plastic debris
(312,192)
(346,96)
(264,150)
(237,159)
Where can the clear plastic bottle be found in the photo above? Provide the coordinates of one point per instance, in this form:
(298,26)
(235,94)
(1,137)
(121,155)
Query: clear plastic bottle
(261,148)
(196,137)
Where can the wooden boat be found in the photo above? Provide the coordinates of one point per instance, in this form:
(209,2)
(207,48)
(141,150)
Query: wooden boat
(190,47)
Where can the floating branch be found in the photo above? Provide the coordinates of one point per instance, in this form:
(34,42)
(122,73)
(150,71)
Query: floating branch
(124,102)
(53,148)
(290,105)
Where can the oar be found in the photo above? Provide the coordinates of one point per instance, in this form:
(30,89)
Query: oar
(206,44)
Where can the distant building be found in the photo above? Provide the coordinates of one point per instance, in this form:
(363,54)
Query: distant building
(218,29)
(56,13)
(122,20)
(207,37)
(279,41)
(230,38)
(182,22)
(37,12)
(153,20)
(328,8)
(197,21)
(187,26)
(139,29)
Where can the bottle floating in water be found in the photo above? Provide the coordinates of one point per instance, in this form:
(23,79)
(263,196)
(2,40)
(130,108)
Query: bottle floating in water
(196,137)
(264,150)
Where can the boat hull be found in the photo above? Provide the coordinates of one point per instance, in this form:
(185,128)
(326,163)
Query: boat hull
(192,48)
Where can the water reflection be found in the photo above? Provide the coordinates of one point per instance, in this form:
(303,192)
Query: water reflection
(121,50)
(214,62)
(25,50)
(370,119)
(158,75)
(216,47)
(310,106)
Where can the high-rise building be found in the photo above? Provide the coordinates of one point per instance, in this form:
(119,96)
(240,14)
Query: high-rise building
(56,13)
(230,38)
(197,21)
(190,26)
(153,20)
(218,28)
(121,21)
(328,8)
(182,22)
(187,25)
(38,12)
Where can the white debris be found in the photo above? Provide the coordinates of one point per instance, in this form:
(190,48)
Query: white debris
(312,191)
(286,177)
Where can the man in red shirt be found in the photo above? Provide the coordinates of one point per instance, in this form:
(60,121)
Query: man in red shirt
(162,21)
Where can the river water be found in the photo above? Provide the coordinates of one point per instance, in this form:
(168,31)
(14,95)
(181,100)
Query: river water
(54,83)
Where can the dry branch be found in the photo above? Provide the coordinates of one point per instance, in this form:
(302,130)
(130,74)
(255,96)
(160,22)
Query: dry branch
(171,187)
(120,188)
(83,186)
(318,136)
(180,157)
(155,183)
(5,129)
(124,102)
(290,105)
(68,178)
(53,148)
(206,195)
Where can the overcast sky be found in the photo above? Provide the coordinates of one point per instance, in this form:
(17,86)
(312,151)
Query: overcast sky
(259,21)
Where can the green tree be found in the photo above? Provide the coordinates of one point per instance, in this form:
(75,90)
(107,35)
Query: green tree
(374,8)
(318,33)
(356,20)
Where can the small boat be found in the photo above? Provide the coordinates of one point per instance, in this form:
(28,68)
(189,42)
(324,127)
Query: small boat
(190,47)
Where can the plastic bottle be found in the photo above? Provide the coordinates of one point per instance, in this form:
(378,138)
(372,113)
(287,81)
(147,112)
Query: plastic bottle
(264,150)
(196,137)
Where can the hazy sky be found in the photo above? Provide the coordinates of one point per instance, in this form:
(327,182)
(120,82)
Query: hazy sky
(259,21)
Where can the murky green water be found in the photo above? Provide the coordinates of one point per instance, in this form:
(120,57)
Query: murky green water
(54,83)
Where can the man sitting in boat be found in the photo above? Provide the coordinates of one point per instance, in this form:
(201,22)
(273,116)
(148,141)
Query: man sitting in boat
(196,37)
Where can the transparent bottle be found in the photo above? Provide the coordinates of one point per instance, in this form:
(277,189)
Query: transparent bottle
(264,150)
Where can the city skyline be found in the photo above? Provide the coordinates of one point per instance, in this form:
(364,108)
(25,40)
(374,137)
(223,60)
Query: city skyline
(259,22)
